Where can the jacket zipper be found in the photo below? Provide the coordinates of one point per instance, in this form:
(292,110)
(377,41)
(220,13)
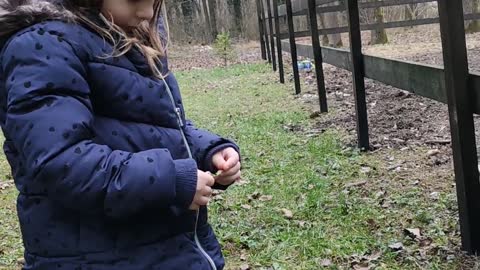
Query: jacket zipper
(178,112)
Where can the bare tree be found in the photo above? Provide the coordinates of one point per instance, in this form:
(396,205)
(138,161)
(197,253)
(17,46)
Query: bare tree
(411,12)
(201,20)
(187,11)
(212,8)
(331,20)
(473,7)
(206,20)
(325,40)
(236,6)
(379,35)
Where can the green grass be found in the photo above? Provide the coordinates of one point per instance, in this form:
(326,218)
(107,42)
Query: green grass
(283,168)
(10,240)
(308,176)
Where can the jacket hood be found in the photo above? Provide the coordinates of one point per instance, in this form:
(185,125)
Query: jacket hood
(18,14)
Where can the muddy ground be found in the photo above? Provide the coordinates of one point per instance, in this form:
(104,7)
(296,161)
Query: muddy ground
(409,134)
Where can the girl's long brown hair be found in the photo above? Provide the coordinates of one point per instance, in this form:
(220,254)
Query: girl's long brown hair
(146,37)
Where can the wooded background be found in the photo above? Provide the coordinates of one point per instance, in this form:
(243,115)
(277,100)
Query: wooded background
(199,21)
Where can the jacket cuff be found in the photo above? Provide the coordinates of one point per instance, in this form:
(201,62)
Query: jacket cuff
(208,165)
(186,181)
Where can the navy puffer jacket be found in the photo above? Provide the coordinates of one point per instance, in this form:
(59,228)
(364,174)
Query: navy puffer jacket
(98,151)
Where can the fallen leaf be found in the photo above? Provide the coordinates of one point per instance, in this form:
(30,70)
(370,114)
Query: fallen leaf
(360,263)
(379,194)
(246,206)
(386,203)
(394,167)
(365,170)
(326,263)
(265,198)
(21,261)
(362,267)
(242,182)
(425,242)
(6,184)
(396,246)
(301,223)
(356,184)
(435,195)
(315,114)
(374,256)
(255,195)
(433,152)
(243,257)
(372,224)
(287,213)
(413,233)
(217,197)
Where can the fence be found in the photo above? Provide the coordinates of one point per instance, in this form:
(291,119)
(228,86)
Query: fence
(453,84)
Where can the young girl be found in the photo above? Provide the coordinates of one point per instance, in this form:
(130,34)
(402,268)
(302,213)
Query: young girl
(111,176)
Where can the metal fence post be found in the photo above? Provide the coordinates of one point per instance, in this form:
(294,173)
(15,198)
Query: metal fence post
(358,73)
(279,42)
(317,52)
(260,31)
(462,127)
(272,37)
(293,47)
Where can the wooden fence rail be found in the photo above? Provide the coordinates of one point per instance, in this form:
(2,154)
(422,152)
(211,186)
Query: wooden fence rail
(451,84)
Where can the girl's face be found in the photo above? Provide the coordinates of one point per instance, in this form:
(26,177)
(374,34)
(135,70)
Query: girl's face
(128,14)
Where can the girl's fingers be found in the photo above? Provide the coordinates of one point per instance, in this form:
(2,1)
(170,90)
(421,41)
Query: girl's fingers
(218,161)
(207,191)
(202,200)
(237,176)
(227,180)
(231,158)
(232,171)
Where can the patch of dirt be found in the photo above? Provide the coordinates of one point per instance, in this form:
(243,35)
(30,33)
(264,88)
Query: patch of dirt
(203,56)
(409,134)
(397,119)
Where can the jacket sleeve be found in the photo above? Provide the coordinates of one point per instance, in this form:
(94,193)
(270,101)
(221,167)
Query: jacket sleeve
(205,144)
(49,119)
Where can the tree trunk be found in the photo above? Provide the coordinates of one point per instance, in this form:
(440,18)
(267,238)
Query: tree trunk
(206,16)
(379,35)
(236,6)
(325,41)
(212,7)
(187,11)
(411,12)
(474,26)
(331,20)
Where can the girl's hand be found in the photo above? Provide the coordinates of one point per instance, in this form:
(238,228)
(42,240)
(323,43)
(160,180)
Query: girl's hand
(204,191)
(227,162)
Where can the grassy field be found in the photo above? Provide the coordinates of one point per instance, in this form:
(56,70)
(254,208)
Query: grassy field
(306,200)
